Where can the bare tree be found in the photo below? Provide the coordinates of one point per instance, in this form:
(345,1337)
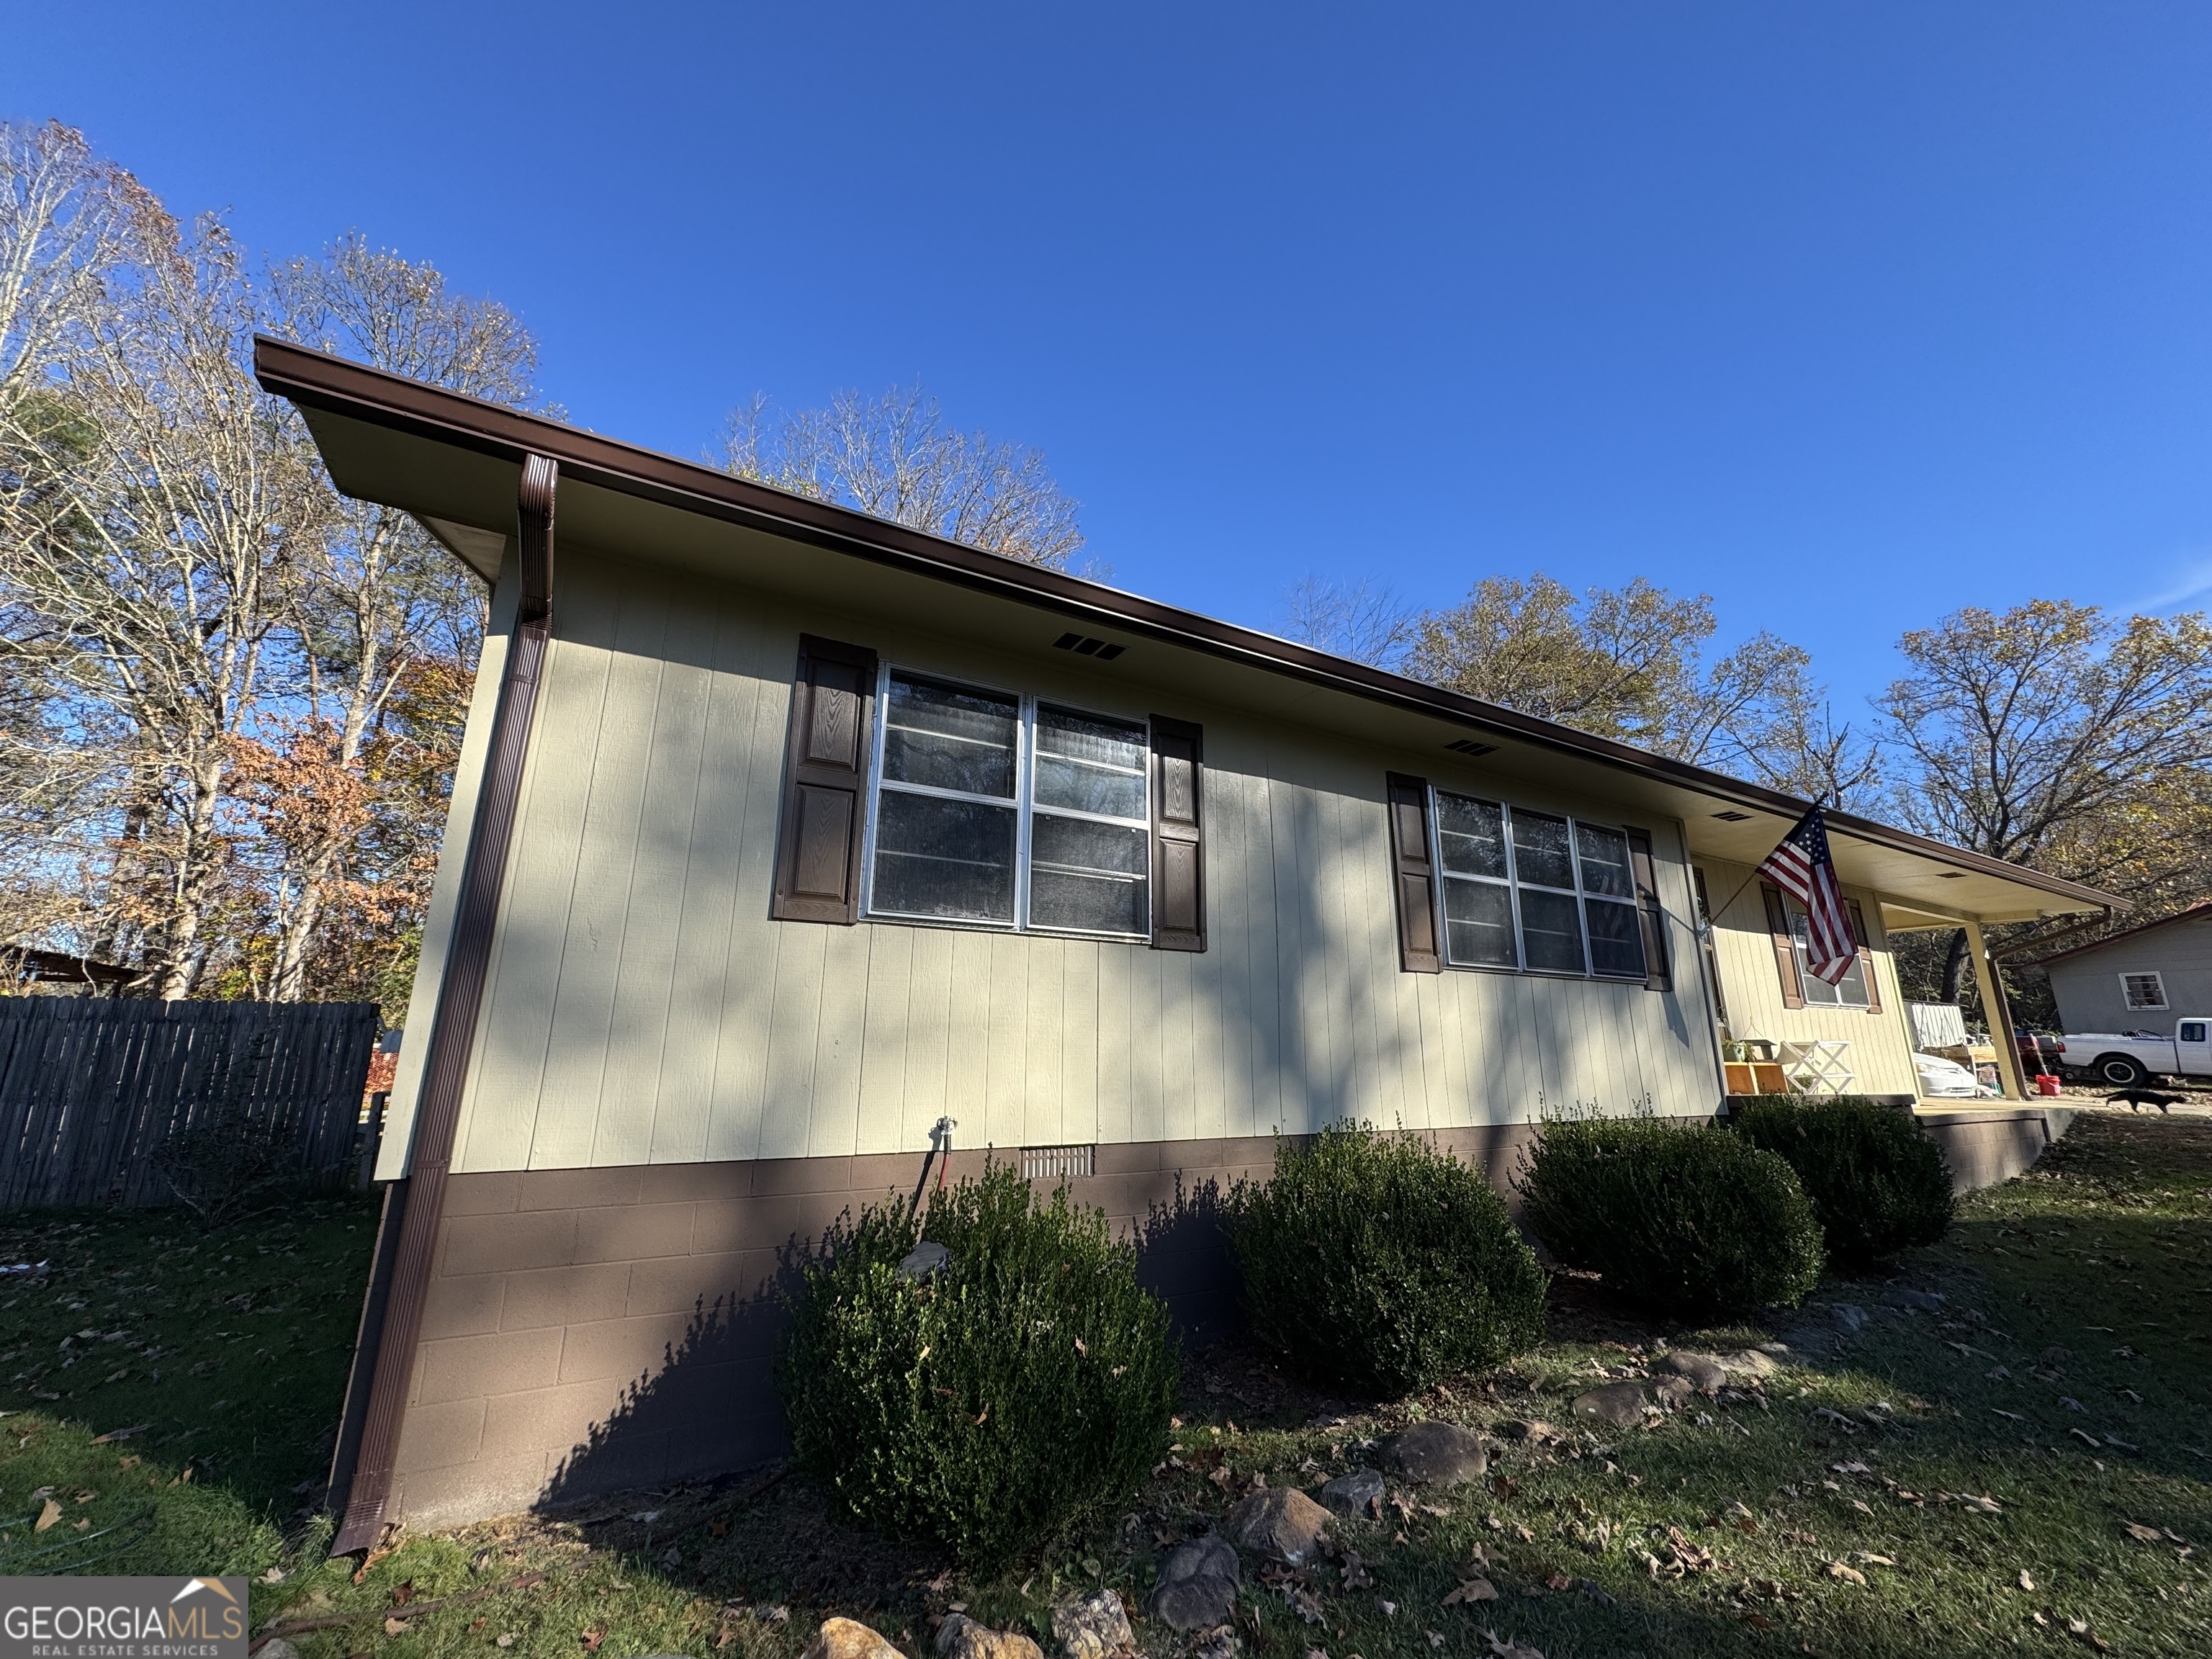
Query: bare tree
(895,458)
(66,223)
(2057,737)
(157,496)
(1361,620)
(374,601)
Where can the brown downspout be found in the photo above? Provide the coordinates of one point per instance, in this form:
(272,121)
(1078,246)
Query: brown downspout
(419,1210)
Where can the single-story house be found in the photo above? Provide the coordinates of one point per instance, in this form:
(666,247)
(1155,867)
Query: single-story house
(2142,980)
(788,845)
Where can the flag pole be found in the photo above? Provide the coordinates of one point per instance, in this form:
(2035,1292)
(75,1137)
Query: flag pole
(1753,876)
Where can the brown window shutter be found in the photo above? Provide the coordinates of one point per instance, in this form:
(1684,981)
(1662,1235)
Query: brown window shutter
(1178,843)
(825,774)
(1785,953)
(1658,971)
(1866,956)
(1414,873)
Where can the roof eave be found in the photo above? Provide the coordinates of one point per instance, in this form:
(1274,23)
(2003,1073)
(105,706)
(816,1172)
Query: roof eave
(317,381)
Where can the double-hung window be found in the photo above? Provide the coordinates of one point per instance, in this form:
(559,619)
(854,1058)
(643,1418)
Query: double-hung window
(1000,810)
(1535,891)
(1849,992)
(2143,990)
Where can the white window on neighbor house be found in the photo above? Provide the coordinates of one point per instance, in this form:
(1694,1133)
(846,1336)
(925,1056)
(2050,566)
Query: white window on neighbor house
(1000,810)
(2142,990)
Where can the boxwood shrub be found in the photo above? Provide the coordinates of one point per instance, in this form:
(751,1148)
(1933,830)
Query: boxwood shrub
(996,1405)
(1877,1184)
(1684,1220)
(1376,1263)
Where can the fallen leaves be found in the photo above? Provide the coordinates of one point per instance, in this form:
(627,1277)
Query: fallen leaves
(49,1512)
(1848,1575)
(1504,1648)
(2080,1630)
(2026,1581)
(1470,1591)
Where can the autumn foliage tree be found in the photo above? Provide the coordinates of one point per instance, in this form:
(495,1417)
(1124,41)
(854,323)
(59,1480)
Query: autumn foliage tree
(231,699)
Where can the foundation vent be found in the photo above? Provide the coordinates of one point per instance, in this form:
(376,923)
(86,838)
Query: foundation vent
(1058,1163)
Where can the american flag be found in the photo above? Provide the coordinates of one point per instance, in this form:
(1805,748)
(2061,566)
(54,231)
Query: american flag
(1800,867)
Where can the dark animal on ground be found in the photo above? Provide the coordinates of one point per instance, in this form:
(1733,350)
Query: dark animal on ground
(2139,1098)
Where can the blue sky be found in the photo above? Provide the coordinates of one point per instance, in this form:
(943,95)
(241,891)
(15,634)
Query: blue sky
(1846,313)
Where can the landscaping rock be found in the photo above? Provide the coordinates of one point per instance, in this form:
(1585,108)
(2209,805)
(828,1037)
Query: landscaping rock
(925,1259)
(1435,1453)
(1750,1362)
(1281,1522)
(846,1639)
(1925,1300)
(1621,1404)
(1673,1393)
(1701,1371)
(1355,1493)
(1849,1316)
(961,1638)
(1197,1589)
(1096,1627)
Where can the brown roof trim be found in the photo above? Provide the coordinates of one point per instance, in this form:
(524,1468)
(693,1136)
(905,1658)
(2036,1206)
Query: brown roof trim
(2202,907)
(315,379)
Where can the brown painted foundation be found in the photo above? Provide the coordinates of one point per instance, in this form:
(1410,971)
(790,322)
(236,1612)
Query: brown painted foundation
(592,1331)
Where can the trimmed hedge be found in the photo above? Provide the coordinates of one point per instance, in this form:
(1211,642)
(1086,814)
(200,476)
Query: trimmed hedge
(1377,1263)
(1683,1218)
(996,1405)
(1877,1184)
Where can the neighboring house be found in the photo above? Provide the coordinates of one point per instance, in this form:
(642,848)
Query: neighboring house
(2142,980)
(787,843)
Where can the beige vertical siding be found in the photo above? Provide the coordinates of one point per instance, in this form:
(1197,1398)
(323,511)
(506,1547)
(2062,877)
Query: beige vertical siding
(1751,985)
(445,890)
(643,1009)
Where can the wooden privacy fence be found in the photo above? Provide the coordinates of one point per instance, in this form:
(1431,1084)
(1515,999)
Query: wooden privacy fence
(92,1090)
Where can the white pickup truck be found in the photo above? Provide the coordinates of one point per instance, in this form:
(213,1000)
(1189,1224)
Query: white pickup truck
(2126,1060)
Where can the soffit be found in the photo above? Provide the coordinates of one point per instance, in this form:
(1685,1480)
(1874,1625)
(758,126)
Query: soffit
(463,484)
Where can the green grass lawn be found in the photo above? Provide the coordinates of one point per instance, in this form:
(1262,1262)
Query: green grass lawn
(1930,1489)
(223,1349)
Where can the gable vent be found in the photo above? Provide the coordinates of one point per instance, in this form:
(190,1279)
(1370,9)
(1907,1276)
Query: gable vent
(1733,817)
(1084,645)
(1469,746)
(1954,875)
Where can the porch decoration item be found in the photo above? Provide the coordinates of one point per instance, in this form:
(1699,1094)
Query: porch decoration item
(1377,1263)
(1679,1218)
(1876,1182)
(1018,1390)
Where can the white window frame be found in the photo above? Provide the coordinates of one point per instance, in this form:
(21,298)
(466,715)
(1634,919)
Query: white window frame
(2127,997)
(1023,803)
(1801,940)
(1512,884)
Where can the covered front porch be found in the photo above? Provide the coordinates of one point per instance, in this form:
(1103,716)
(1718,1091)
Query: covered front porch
(1780,1029)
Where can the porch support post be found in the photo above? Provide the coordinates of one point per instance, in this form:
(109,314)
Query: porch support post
(1998,1012)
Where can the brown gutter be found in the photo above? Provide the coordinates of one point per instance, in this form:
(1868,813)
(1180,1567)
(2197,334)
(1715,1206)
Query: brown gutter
(314,379)
(421,1207)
